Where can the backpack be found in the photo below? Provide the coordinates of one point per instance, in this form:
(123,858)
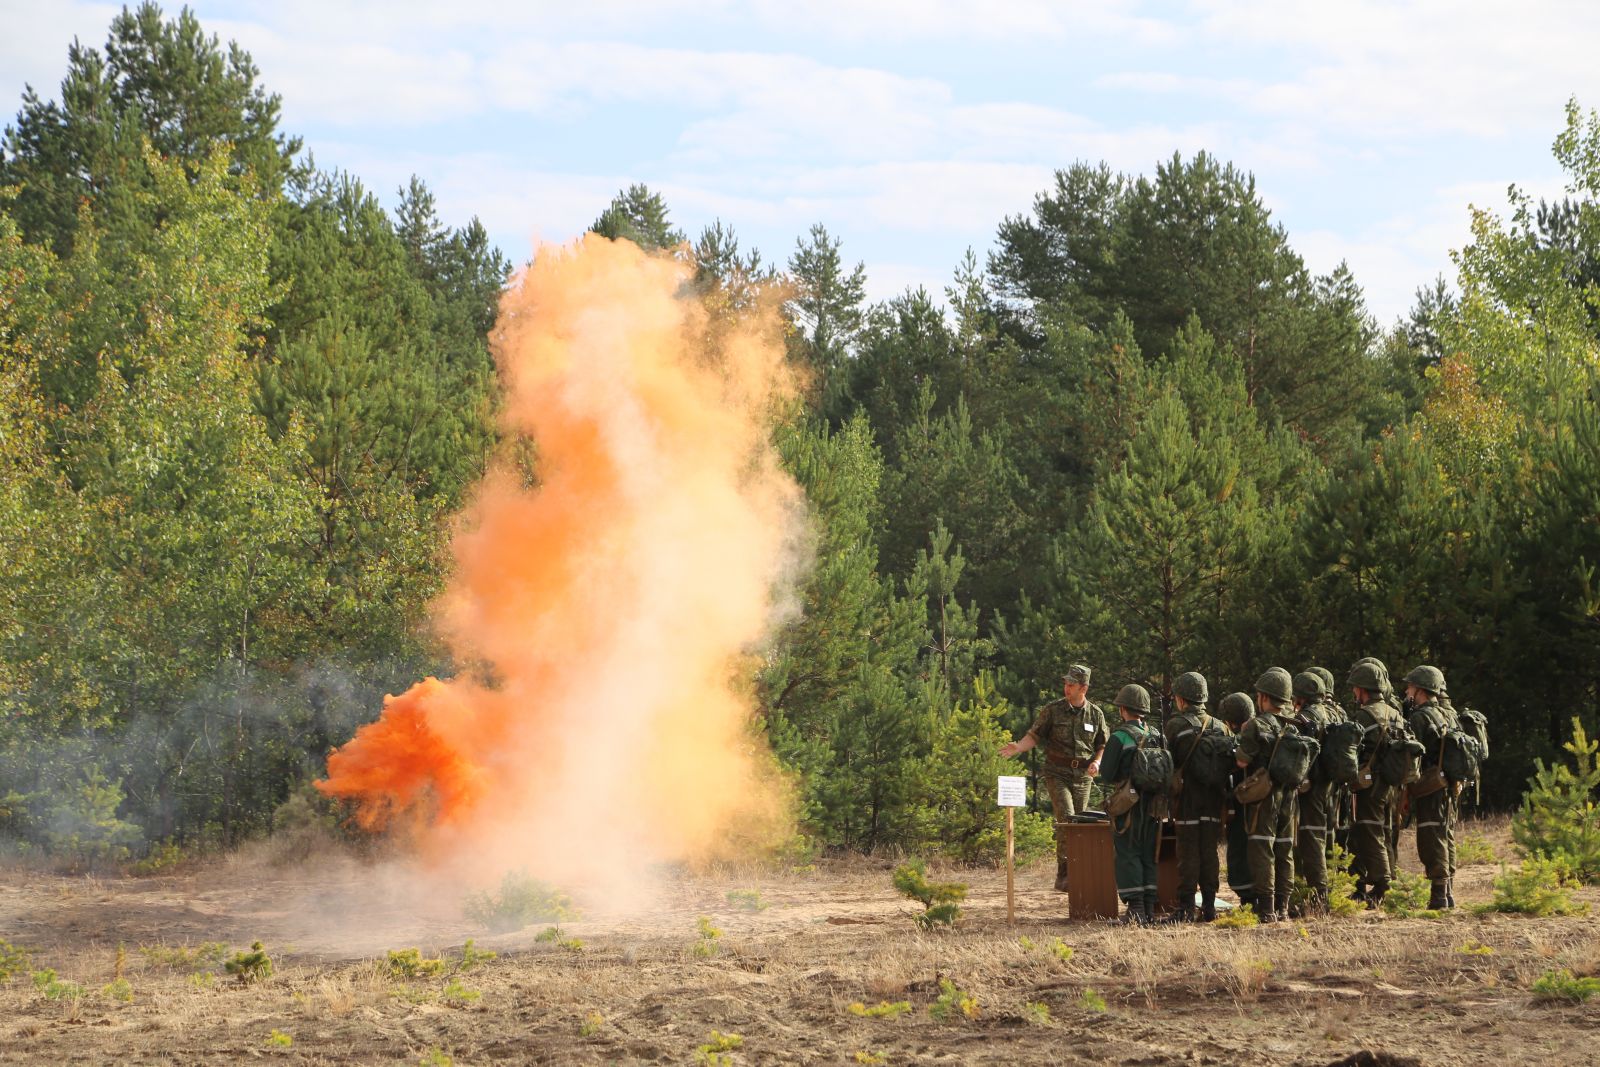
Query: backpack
(1292,758)
(1151,770)
(1340,760)
(1476,724)
(1399,757)
(1211,761)
(1460,756)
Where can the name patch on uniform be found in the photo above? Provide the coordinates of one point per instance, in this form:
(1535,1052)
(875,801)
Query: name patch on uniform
(1088,727)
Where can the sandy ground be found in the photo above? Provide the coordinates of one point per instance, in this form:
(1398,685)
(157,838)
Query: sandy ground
(1369,990)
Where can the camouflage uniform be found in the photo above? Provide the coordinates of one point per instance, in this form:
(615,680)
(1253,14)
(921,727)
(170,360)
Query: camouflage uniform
(1238,843)
(1069,737)
(1197,814)
(1434,814)
(1374,807)
(1269,821)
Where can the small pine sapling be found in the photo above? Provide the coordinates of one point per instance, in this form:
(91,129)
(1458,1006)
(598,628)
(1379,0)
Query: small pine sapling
(1542,886)
(250,967)
(1561,985)
(1559,817)
(882,1010)
(940,900)
(952,1003)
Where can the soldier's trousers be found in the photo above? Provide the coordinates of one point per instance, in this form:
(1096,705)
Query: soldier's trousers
(1370,834)
(1311,842)
(1239,879)
(1269,824)
(1436,838)
(1133,844)
(1069,796)
(1198,822)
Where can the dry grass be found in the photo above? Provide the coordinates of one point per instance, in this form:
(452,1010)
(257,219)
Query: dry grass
(784,978)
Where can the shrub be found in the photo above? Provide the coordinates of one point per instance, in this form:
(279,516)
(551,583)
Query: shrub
(250,967)
(83,827)
(1475,948)
(53,988)
(162,857)
(939,899)
(459,995)
(715,1052)
(1089,1000)
(13,960)
(881,1010)
(1240,918)
(119,989)
(591,1024)
(279,1039)
(1561,985)
(1541,887)
(1407,897)
(471,955)
(951,1002)
(521,902)
(1036,1012)
(863,1056)
(554,936)
(706,945)
(747,899)
(208,956)
(1474,851)
(409,963)
(1559,818)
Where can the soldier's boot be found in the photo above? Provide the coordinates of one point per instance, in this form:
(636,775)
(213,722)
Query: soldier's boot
(1438,897)
(1208,907)
(1375,896)
(1281,907)
(1133,915)
(1061,875)
(1450,893)
(1264,910)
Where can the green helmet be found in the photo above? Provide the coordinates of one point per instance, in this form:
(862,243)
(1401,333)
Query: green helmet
(1135,698)
(1236,708)
(1277,684)
(1326,675)
(1426,677)
(1191,687)
(1368,675)
(1308,685)
(1376,662)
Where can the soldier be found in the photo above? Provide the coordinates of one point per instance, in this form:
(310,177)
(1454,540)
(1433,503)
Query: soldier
(1316,796)
(1269,822)
(1374,805)
(1133,833)
(1397,813)
(1198,814)
(1448,709)
(1236,710)
(1436,838)
(1073,732)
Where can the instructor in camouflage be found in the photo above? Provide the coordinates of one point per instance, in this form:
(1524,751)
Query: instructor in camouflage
(1074,734)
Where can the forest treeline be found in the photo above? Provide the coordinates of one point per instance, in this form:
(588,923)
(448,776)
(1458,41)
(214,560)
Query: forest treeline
(240,399)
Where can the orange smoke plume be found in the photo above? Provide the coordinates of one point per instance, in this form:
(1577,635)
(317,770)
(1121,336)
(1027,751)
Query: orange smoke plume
(607,607)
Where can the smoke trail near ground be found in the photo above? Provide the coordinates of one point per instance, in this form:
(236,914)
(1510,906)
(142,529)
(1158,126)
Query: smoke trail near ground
(608,606)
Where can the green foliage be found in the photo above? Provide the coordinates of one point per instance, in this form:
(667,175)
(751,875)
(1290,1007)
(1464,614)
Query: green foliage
(458,995)
(1407,897)
(1541,886)
(1342,885)
(1561,985)
(636,214)
(251,967)
(1475,948)
(1089,1000)
(84,827)
(409,963)
(940,900)
(1036,1012)
(592,1024)
(710,936)
(866,1056)
(952,1004)
(747,900)
(716,1052)
(472,956)
(554,935)
(279,1039)
(207,956)
(882,1010)
(1560,818)
(521,901)
(52,987)
(163,856)
(1240,918)
(1474,851)
(436,1057)
(118,989)
(13,960)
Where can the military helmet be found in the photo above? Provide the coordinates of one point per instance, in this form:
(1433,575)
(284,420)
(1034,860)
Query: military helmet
(1191,687)
(1277,684)
(1135,698)
(1326,675)
(1308,685)
(1374,661)
(1367,675)
(1426,677)
(1236,708)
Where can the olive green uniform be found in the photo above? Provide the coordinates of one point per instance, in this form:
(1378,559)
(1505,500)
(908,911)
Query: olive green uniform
(1432,814)
(1374,807)
(1315,809)
(1133,836)
(1197,815)
(1269,822)
(1069,737)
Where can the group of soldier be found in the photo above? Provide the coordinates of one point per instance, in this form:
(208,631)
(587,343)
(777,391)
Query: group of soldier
(1272,832)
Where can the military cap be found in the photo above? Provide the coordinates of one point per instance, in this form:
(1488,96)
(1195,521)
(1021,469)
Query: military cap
(1077,674)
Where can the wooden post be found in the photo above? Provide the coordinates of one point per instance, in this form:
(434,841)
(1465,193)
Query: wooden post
(1011,890)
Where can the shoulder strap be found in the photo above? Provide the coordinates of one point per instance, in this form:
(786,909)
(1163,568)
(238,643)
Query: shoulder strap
(1205,724)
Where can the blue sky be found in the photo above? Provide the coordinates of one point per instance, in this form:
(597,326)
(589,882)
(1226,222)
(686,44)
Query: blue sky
(910,128)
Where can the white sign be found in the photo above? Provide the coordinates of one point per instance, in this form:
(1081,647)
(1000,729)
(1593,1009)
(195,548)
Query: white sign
(1013,791)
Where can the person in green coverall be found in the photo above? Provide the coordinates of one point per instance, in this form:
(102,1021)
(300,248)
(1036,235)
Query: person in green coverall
(1133,833)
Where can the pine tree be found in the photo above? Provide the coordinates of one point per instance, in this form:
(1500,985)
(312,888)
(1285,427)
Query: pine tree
(1560,816)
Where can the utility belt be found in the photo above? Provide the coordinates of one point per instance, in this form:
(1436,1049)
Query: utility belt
(1071,763)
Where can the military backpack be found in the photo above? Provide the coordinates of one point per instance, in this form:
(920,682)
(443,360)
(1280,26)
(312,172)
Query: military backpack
(1211,761)
(1340,760)
(1151,769)
(1474,722)
(1460,756)
(1399,756)
(1292,758)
